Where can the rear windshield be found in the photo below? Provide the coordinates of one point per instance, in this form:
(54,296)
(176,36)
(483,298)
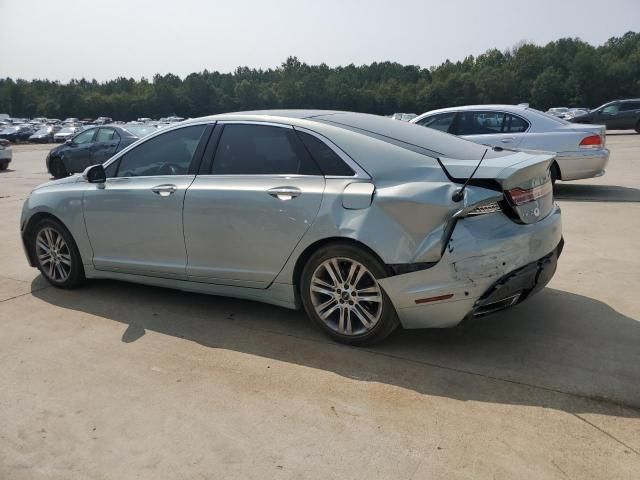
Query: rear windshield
(140,130)
(426,141)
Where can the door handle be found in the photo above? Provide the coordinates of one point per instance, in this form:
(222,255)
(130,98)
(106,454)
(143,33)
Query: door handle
(164,190)
(284,193)
(508,139)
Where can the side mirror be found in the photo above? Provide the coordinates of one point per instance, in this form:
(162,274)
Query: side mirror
(95,174)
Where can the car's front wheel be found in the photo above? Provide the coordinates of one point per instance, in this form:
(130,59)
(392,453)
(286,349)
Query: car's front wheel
(58,170)
(56,254)
(341,294)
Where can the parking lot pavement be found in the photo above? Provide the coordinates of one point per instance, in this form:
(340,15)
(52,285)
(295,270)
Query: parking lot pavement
(124,381)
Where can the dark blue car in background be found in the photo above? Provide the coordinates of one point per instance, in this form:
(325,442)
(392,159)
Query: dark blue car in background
(92,146)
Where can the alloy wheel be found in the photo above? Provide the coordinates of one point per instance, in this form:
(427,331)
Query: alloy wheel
(346,296)
(53,254)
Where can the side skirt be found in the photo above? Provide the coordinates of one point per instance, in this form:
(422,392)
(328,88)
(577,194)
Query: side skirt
(279,294)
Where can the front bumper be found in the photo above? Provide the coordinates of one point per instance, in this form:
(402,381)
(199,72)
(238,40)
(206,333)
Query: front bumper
(483,250)
(582,164)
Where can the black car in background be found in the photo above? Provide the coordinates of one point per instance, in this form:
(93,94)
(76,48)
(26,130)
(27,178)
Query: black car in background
(616,115)
(20,133)
(91,146)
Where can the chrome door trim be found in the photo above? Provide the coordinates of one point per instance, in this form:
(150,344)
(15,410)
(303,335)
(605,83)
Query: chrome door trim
(255,122)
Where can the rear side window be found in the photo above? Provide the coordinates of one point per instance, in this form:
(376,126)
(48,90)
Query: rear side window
(630,106)
(328,160)
(479,123)
(440,121)
(515,124)
(246,149)
(106,135)
(169,153)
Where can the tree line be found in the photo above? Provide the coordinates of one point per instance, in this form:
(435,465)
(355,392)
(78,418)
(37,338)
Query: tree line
(567,72)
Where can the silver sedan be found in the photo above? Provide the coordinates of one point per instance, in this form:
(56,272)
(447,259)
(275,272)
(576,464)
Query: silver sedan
(579,148)
(364,222)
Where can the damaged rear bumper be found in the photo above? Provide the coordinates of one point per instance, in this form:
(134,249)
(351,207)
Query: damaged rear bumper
(489,259)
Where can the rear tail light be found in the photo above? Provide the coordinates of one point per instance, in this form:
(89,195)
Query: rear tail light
(592,141)
(519,196)
(484,209)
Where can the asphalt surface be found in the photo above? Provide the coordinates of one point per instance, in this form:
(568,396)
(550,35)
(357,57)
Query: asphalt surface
(122,381)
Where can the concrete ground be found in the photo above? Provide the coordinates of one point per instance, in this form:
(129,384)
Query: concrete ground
(124,381)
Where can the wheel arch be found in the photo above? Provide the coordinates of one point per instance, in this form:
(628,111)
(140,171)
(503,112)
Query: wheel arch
(318,244)
(27,232)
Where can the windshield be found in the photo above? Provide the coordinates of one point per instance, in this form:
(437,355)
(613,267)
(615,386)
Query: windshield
(42,131)
(67,130)
(140,130)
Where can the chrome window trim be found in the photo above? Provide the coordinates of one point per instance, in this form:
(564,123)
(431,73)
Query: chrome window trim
(255,122)
(359,171)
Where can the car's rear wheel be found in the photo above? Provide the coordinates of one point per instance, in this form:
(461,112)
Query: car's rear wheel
(56,254)
(58,170)
(341,294)
(4,165)
(638,127)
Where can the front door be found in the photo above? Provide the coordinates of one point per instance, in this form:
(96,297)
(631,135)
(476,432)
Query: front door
(77,152)
(244,217)
(134,220)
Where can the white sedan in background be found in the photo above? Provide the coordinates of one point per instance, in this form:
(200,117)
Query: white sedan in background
(580,148)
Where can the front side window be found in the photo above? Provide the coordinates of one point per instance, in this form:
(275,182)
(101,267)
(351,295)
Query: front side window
(246,149)
(84,137)
(167,154)
(611,109)
(440,121)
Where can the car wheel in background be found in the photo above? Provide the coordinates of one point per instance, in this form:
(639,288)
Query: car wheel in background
(4,165)
(56,254)
(638,127)
(341,294)
(57,168)
(555,173)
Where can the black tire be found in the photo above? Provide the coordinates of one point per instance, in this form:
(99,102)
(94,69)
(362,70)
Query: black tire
(638,127)
(4,165)
(75,275)
(387,319)
(58,170)
(555,173)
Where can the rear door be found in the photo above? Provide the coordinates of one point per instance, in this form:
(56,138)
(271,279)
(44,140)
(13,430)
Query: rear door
(628,115)
(489,127)
(250,205)
(105,144)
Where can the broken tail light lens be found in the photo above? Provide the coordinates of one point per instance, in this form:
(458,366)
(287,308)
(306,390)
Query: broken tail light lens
(484,209)
(520,196)
(592,141)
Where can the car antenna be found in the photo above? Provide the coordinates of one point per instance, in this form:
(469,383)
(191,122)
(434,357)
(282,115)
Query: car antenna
(458,195)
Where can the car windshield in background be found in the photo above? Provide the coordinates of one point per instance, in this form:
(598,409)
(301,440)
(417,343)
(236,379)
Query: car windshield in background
(42,131)
(140,130)
(548,115)
(68,130)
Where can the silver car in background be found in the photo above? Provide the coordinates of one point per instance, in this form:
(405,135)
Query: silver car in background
(579,148)
(361,220)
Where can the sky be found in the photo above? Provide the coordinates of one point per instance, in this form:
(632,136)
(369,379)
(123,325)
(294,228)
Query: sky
(64,39)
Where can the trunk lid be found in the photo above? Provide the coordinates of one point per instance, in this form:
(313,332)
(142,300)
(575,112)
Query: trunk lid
(523,177)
